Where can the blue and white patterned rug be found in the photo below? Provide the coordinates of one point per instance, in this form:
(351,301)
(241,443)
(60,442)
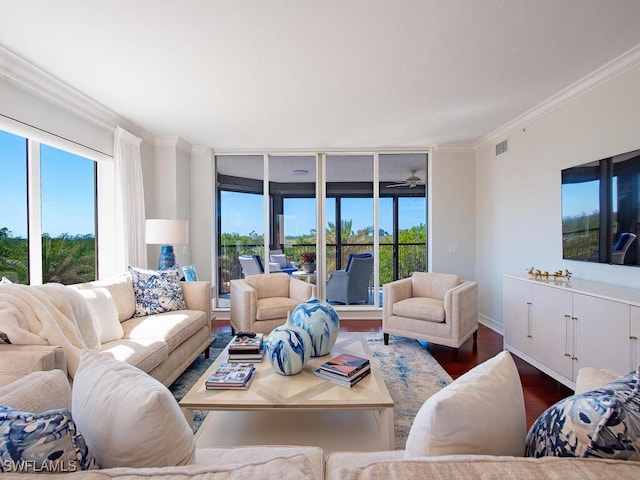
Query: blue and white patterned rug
(410,372)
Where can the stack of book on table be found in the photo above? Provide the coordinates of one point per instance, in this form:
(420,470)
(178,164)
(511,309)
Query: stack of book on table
(234,376)
(345,369)
(246,347)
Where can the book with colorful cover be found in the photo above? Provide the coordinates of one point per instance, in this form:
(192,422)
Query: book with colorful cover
(229,375)
(246,344)
(343,381)
(243,386)
(345,365)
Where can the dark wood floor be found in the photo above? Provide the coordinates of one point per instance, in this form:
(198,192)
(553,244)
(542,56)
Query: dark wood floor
(540,390)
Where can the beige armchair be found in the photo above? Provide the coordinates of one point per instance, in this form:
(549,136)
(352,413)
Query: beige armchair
(260,303)
(436,307)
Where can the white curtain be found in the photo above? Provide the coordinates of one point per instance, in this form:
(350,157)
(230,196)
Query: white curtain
(129,201)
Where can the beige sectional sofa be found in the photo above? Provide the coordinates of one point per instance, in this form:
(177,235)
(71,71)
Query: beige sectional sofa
(163,345)
(41,391)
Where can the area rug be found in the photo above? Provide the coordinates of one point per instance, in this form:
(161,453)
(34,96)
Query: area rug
(410,372)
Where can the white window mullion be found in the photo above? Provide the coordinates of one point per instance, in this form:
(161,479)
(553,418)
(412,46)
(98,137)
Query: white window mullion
(376,229)
(35,213)
(267,214)
(321,222)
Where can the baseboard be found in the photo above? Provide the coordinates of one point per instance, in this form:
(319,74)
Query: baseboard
(491,323)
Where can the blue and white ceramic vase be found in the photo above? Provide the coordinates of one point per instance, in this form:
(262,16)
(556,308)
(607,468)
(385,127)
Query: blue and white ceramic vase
(288,348)
(320,320)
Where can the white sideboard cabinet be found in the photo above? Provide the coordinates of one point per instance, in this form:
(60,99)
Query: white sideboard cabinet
(562,326)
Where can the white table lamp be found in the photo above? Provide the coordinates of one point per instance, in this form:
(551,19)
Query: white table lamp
(166,232)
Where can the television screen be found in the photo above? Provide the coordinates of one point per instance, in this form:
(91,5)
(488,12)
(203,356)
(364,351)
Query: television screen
(601,210)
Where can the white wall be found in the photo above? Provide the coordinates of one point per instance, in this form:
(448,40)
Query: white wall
(518,199)
(452,212)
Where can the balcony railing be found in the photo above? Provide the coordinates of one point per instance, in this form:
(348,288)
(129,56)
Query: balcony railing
(411,257)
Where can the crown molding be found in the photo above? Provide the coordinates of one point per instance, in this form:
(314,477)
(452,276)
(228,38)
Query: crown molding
(602,75)
(172,141)
(20,71)
(202,149)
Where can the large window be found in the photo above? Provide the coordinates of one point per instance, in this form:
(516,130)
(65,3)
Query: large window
(54,218)
(368,203)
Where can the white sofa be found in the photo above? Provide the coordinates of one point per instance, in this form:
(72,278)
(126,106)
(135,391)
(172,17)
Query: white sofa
(163,345)
(42,391)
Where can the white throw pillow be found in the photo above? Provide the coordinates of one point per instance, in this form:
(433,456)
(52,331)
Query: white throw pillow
(280,259)
(127,417)
(104,309)
(481,412)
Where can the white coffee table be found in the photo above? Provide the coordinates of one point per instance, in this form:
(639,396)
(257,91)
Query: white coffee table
(297,410)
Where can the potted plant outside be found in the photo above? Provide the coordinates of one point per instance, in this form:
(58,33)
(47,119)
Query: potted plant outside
(308,262)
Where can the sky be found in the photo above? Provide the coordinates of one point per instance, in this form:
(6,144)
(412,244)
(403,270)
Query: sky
(67,186)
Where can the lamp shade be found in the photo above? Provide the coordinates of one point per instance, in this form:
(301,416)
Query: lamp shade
(166,231)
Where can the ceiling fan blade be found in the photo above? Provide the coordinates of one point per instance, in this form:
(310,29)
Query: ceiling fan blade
(403,184)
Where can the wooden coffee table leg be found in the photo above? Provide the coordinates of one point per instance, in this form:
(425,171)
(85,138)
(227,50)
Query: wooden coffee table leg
(188,414)
(385,421)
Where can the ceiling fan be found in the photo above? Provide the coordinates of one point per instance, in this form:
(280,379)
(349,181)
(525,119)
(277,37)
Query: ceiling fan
(411,181)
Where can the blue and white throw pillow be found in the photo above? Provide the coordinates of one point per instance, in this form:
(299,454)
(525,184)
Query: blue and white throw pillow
(156,291)
(603,423)
(42,442)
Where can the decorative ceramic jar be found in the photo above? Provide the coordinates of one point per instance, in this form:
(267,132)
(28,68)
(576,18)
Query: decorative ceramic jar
(320,320)
(288,348)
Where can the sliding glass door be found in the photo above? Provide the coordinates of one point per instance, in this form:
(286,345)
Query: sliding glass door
(240,217)
(349,229)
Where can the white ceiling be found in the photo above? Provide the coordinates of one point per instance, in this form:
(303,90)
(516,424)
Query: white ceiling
(313,75)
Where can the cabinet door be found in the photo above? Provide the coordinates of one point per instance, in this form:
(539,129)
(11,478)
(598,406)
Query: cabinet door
(518,298)
(634,336)
(602,334)
(552,328)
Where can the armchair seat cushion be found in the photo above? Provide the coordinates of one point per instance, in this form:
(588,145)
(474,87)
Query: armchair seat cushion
(421,308)
(275,307)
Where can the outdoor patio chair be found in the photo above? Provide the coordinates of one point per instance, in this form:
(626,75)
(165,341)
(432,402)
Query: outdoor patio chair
(351,285)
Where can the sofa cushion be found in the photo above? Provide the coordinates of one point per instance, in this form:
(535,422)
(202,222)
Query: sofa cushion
(602,423)
(173,328)
(590,378)
(280,259)
(275,307)
(104,310)
(481,412)
(422,308)
(121,289)
(145,354)
(46,441)
(128,418)
(156,291)
(38,392)
(432,284)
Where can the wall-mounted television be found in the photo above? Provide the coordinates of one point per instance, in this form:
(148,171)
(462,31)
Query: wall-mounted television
(601,210)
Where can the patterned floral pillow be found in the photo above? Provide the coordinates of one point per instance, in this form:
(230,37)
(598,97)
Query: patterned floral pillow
(42,442)
(156,291)
(602,423)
